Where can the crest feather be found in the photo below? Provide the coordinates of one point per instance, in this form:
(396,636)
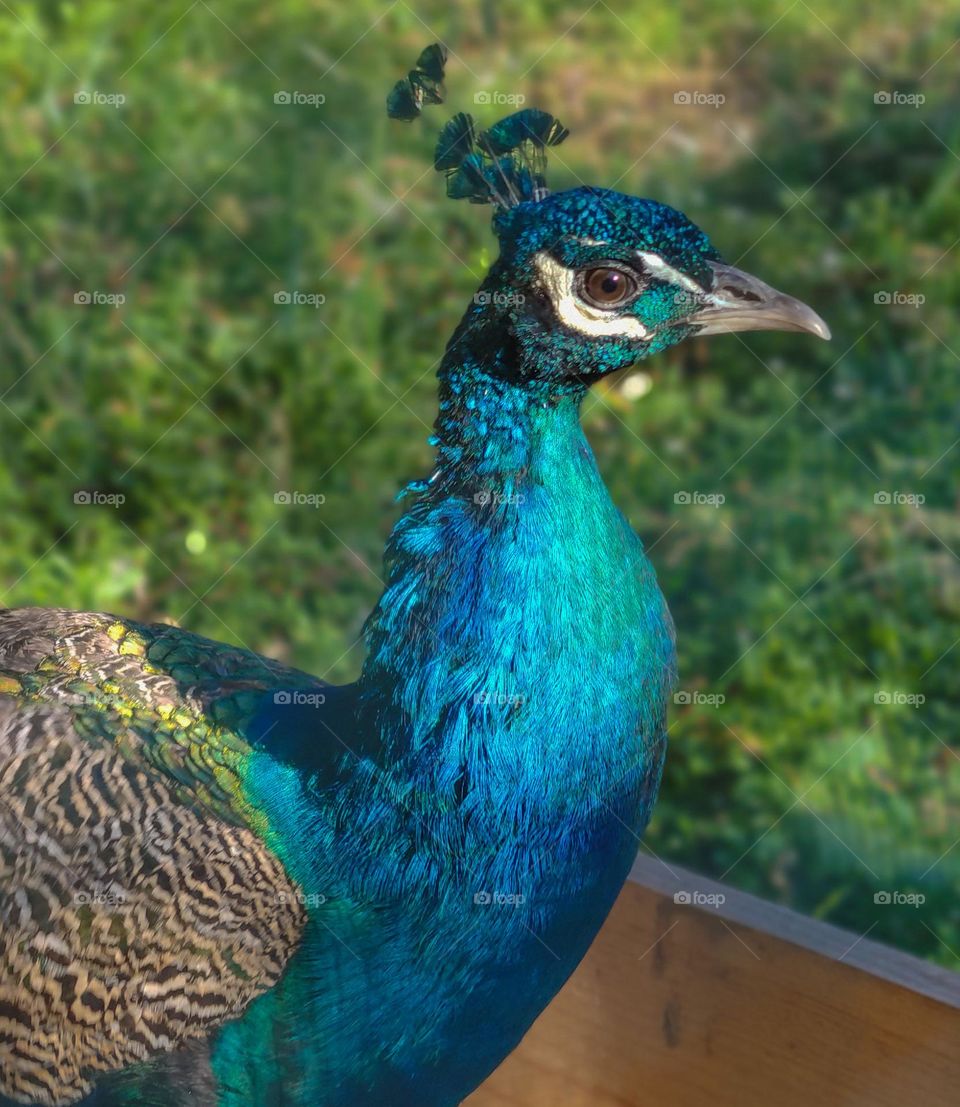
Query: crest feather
(504,165)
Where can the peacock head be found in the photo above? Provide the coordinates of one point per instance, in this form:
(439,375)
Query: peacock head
(594,280)
(590,280)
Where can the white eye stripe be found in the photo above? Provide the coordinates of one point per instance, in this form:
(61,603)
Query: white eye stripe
(658,268)
(593,322)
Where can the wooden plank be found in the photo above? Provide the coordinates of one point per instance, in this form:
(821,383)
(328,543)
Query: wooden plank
(743,1004)
(820,937)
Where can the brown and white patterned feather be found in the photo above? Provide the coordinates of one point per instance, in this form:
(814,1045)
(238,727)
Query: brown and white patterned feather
(137,911)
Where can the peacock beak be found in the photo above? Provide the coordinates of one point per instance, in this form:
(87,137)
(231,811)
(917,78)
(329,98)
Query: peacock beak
(738,301)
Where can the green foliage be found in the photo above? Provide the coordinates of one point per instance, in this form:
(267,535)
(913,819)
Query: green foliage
(800,599)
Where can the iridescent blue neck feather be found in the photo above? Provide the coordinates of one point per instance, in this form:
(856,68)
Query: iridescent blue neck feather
(514,691)
(517,599)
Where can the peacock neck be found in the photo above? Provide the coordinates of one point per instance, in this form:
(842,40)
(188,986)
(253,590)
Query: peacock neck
(514,700)
(519,608)
(495,411)
(492,427)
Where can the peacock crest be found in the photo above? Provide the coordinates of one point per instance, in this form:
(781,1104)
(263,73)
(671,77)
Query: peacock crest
(504,165)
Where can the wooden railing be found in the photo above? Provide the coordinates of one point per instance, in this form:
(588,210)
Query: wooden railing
(735,1004)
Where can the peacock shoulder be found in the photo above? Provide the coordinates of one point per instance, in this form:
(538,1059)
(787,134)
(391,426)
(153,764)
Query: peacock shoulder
(140,906)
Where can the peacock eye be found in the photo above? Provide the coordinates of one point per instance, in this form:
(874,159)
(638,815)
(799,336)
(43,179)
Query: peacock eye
(606,287)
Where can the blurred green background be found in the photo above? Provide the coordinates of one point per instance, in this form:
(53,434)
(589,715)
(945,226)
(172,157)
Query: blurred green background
(794,133)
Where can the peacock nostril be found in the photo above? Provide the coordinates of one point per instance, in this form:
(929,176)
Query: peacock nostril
(741,293)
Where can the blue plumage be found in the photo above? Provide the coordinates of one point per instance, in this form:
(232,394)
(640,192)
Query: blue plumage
(518,666)
(454,827)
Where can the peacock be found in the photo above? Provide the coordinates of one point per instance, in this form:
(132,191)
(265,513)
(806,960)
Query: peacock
(226,882)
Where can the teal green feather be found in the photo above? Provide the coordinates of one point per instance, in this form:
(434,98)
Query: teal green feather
(422,85)
(530,125)
(456,140)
